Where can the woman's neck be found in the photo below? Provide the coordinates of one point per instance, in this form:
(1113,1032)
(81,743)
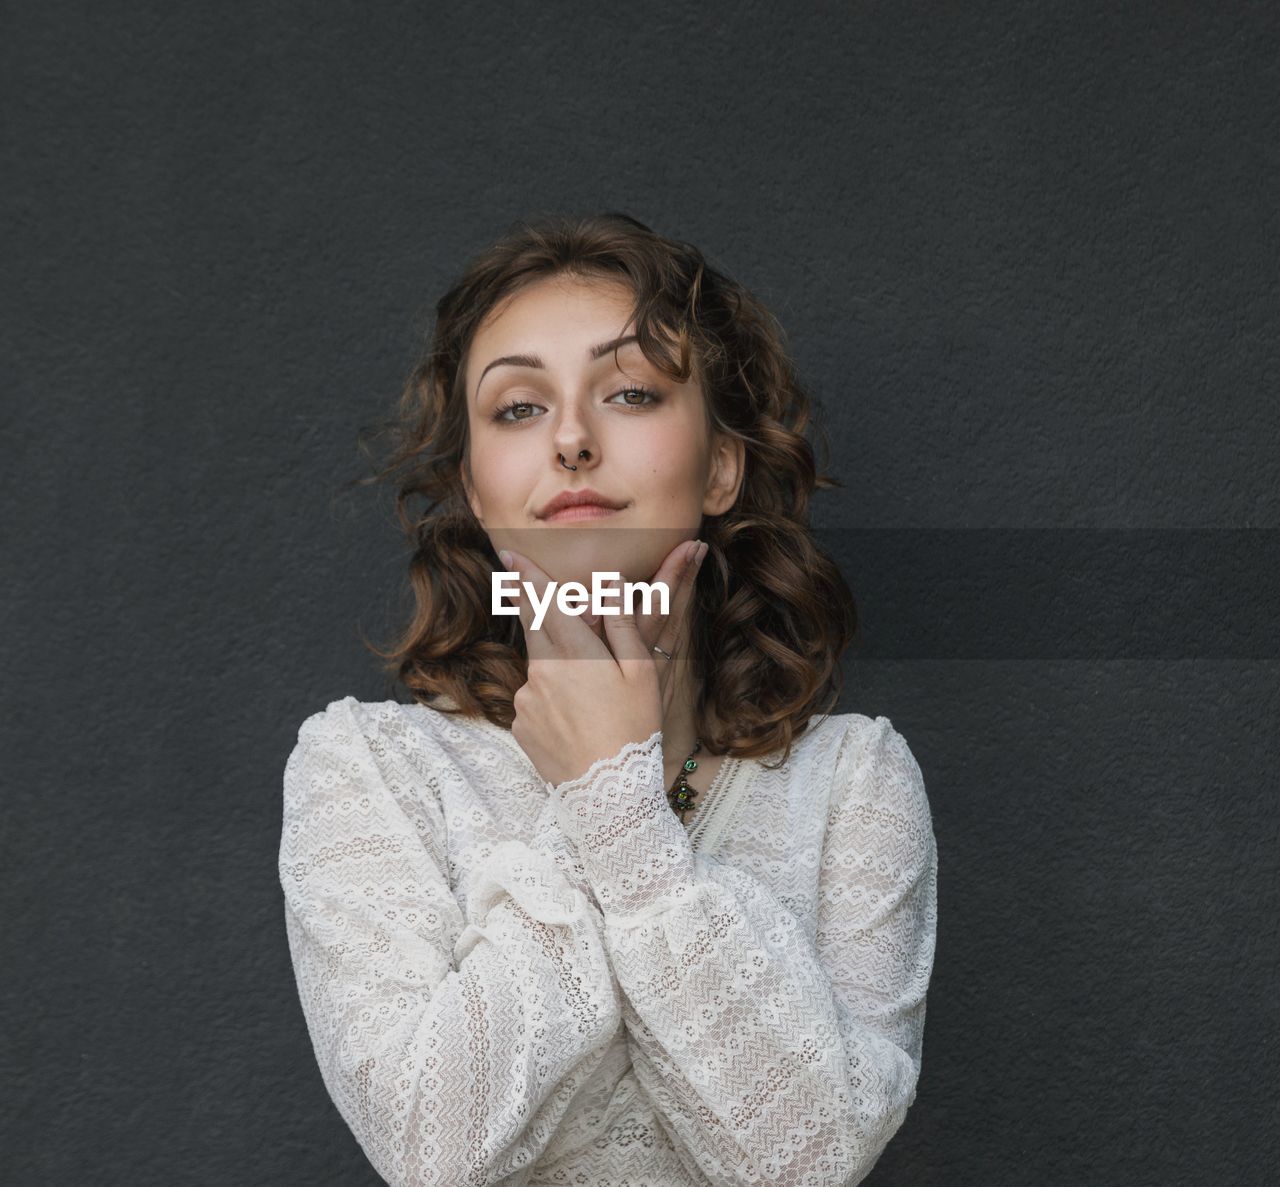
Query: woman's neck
(679,722)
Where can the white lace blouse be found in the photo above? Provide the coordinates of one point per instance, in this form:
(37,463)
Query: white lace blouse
(506,981)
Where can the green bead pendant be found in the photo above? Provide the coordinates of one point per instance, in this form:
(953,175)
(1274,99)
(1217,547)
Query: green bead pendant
(681,795)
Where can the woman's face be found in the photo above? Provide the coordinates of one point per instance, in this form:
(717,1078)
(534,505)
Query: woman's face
(648,445)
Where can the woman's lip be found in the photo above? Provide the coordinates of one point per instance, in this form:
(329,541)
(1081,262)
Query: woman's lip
(582,511)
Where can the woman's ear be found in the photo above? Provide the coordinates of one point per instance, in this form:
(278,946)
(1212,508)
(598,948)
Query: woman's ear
(728,469)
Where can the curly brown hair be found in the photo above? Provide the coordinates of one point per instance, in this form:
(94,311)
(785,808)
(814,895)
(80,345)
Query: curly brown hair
(772,612)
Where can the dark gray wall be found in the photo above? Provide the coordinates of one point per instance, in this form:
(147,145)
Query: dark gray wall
(1028,258)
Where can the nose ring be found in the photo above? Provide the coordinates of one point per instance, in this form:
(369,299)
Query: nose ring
(581,453)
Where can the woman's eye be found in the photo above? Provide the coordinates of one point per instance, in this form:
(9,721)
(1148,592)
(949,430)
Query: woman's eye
(651,396)
(501,413)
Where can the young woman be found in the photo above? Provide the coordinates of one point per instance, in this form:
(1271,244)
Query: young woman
(615,899)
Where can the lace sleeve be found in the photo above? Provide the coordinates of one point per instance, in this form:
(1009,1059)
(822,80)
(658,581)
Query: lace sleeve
(771,1058)
(452,1052)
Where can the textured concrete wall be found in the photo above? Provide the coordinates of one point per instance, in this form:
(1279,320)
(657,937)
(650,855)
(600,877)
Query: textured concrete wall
(1028,257)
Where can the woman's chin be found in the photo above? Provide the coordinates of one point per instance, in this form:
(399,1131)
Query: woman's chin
(575,554)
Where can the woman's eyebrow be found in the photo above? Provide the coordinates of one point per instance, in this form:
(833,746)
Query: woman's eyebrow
(533,360)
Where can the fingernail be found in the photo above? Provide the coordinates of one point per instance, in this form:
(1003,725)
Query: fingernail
(703,548)
(505,557)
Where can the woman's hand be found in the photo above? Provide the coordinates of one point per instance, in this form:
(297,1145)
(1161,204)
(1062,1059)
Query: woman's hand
(586,697)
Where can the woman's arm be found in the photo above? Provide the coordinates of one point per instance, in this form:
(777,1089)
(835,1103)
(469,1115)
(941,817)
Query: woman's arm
(451,1051)
(772,1058)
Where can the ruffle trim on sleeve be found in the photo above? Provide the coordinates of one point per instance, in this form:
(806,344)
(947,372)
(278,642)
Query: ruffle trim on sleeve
(634,756)
(635,852)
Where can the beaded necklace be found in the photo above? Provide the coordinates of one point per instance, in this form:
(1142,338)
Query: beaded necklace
(680,795)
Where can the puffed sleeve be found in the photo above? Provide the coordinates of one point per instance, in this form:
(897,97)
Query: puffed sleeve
(771,1058)
(451,1050)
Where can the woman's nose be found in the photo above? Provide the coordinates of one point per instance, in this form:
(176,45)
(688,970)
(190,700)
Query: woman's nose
(583,455)
(573,443)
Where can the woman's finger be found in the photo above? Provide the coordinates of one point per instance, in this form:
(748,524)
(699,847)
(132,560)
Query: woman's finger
(629,648)
(673,573)
(556,634)
(673,631)
(513,562)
